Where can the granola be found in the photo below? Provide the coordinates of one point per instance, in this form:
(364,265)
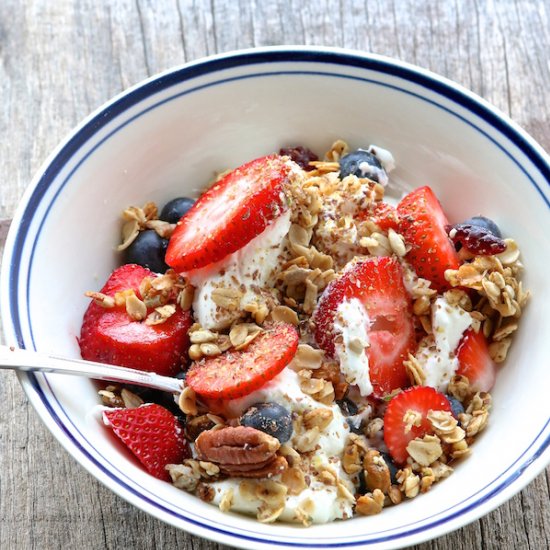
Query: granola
(334,461)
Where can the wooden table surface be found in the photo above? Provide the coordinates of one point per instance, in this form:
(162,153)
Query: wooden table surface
(62,59)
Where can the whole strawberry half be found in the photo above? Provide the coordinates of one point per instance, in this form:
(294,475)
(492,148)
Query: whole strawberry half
(474,361)
(230,214)
(378,284)
(153,434)
(109,335)
(238,373)
(419,399)
(422,223)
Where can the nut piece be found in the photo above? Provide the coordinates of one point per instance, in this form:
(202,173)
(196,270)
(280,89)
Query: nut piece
(377,472)
(187,401)
(131,400)
(241,451)
(294,480)
(227,298)
(135,308)
(319,418)
(101,299)
(307,358)
(370,504)
(425,450)
(283,314)
(409,483)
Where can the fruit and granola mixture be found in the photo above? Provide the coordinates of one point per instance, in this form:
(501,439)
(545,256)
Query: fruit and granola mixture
(337,350)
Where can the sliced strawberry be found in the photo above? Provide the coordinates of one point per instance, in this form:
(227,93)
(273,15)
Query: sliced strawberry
(475,362)
(153,434)
(419,399)
(230,214)
(109,335)
(385,216)
(378,284)
(422,223)
(238,373)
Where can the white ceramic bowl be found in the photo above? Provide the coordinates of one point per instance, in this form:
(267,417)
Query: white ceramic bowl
(166,137)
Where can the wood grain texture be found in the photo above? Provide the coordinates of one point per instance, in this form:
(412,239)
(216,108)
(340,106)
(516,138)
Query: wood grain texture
(61,60)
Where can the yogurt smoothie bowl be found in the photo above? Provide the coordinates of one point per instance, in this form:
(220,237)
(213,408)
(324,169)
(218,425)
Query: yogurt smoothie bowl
(337,347)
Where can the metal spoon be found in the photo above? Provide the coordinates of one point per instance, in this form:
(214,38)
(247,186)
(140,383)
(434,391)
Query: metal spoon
(32,361)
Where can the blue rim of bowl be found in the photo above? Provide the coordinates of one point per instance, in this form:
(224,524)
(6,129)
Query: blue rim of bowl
(161,83)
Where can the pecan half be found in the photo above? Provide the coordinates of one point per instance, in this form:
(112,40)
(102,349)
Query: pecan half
(241,451)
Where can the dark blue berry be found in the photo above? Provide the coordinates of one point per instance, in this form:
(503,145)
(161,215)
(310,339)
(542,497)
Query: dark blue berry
(355,425)
(162,398)
(485,223)
(360,163)
(271,418)
(362,486)
(348,407)
(391,466)
(148,250)
(175,209)
(456,405)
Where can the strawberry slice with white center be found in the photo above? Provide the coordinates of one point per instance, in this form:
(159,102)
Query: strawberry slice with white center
(422,223)
(474,361)
(230,214)
(153,434)
(406,418)
(377,284)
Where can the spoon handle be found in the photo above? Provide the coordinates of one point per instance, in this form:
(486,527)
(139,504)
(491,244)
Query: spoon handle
(32,361)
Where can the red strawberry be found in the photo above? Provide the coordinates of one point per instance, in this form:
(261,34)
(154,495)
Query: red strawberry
(378,284)
(422,223)
(111,336)
(230,214)
(153,434)
(238,373)
(475,362)
(385,216)
(420,399)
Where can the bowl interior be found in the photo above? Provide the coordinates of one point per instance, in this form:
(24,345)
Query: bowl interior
(170,141)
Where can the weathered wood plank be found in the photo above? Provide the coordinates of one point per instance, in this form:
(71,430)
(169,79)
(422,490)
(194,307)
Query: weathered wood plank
(60,60)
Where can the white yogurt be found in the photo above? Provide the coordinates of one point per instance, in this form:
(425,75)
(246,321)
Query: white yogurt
(249,269)
(385,157)
(437,353)
(321,500)
(351,322)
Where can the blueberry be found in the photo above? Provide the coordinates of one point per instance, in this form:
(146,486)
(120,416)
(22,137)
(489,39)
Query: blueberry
(162,398)
(362,164)
(175,209)
(391,466)
(348,407)
(271,418)
(355,425)
(362,487)
(456,405)
(148,250)
(485,223)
